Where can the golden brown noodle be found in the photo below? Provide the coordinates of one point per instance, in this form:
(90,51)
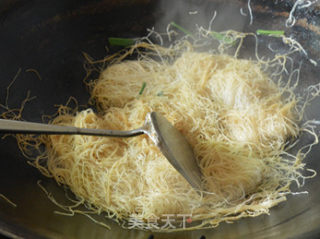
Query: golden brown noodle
(6,199)
(235,117)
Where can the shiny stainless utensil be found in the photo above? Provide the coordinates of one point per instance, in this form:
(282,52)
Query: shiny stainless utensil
(169,140)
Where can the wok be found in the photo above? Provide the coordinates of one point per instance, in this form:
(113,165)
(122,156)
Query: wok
(51,36)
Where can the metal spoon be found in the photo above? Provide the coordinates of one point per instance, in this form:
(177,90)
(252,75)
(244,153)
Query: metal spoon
(169,140)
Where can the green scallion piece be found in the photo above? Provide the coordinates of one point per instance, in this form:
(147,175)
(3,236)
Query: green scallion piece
(116,41)
(185,31)
(270,33)
(222,37)
(142,88)
(217,36)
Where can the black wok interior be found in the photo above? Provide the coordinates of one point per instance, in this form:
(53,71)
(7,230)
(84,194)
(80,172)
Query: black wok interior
(51,36)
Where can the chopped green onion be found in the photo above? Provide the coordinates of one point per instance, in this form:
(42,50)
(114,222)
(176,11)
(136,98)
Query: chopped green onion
(217,35)
(185,31)
(270,33)
(116,41)
(160,93)
(222,37)
(142,88)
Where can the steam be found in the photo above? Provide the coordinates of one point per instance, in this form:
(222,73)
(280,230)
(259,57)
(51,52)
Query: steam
(193,14)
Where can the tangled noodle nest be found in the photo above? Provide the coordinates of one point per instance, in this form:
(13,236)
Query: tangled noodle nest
(239,118)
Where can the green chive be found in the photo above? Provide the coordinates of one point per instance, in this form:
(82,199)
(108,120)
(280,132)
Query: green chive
(185,31)
(116,41)
(270,33)
(222,37)
(142,88)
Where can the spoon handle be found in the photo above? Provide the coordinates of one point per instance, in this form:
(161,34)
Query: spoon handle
(23,127)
